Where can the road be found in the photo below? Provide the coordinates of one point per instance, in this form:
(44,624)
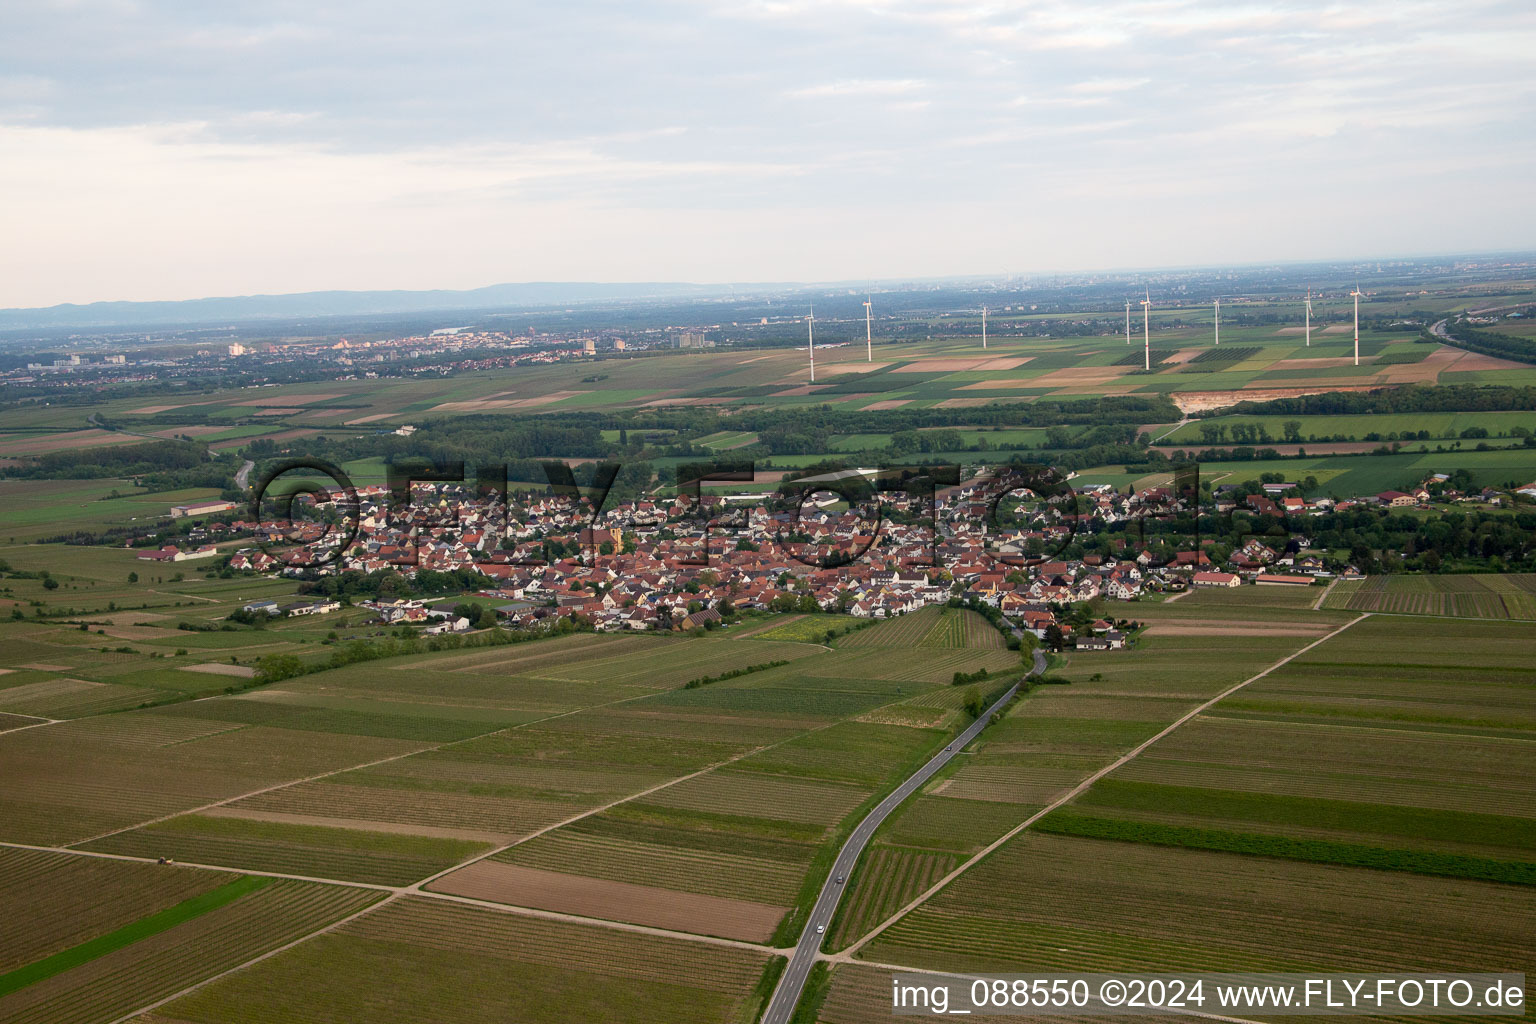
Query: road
(792,983)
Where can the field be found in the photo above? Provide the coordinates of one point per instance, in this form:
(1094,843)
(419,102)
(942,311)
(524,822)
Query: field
(490,967)
(140,932)
(934,626)
(576,776)
(1370,800)
(1506,596)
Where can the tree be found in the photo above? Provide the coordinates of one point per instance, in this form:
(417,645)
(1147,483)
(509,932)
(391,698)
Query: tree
(1055,639)
(974,705)
(133,577)
(50,584)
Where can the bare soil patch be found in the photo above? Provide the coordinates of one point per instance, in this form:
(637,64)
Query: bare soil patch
(889,403)
(1079,375)
(689,401)
(614,901)
(217,669)
(360,824)
(852,367)
(963,403)
(1206,401)
(43,666)
(370,419)
(140,632)
(1308,362)
(1001,382)
(958,365)
(69,441)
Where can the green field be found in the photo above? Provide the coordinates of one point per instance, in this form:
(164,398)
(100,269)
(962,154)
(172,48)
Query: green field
(1370,800)
(1506,596)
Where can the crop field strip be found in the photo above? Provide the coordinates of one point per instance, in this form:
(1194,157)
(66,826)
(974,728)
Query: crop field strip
(885,880)
(1511,596)
(54,901)
(291,839)
(1404,788)
(748,829)
(491,967)
(1106,905)
(901,830)
(1414,811)
(335,823)
(158,965)
(171,728)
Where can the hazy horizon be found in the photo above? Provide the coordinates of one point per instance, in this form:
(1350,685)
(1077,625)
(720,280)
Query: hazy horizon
(184,153)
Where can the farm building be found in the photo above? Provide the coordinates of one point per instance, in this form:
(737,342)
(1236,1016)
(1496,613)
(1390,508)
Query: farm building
(1270,579)
(1216,579)
(171,553)
(201,508)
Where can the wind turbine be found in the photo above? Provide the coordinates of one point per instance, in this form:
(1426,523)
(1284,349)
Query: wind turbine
(983,328)
(1146,328)
(810,335)
(1309,316)
(869,344)
(1356,294)
(1216,305)
(1127,321)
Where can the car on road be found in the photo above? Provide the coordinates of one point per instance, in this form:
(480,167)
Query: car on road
(820,928)
(840,879)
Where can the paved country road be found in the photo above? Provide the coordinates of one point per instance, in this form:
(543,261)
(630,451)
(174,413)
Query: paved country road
(792,983)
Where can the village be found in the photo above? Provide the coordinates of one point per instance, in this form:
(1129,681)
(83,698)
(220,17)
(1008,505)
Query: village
(677,563)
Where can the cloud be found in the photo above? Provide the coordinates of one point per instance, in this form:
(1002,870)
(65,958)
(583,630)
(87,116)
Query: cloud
(730,128)
(860,87)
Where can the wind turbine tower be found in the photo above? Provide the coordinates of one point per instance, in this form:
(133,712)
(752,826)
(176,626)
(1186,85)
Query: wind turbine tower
(869,344)
(1216,306)
(1309,316)
(810,337)
(983,328)
(1127,321)
(1146,329)
(1356,294)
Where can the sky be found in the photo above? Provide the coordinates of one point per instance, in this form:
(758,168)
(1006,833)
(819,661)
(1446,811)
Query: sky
(152,149)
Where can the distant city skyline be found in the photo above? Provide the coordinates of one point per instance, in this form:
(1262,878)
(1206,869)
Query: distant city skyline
(155,150)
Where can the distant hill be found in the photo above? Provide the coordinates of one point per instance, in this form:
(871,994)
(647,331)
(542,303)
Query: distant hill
(342,303)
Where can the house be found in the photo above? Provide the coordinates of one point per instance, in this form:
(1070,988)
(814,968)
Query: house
(1396,499)
(1092,643)
(310,607)
(699,619)
(1217,579)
